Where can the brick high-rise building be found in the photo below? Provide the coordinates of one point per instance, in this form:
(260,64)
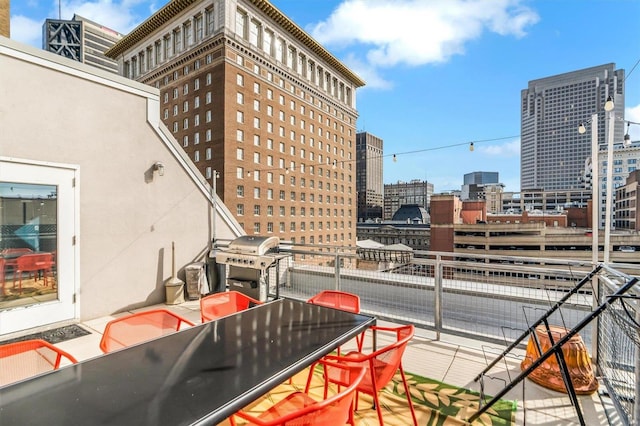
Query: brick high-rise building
(253,98)
(5,18)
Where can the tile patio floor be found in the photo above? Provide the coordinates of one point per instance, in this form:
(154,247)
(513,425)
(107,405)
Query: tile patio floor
(451,359)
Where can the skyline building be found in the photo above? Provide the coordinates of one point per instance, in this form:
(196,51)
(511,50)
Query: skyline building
(398,194)
(625,162)
(476,183)
(369,176)
(553,153)
(82,40)
(260,107)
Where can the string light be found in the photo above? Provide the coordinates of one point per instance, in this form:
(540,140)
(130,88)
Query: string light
(395,158)
(608,105)
(471,148)
(627,136)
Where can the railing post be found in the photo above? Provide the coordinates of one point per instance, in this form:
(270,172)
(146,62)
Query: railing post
(636,400)
(437,296)
(337,269)
(595,332)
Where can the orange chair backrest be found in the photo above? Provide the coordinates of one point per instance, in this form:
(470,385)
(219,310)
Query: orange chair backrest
(337,299)
(385,362)
(140,327)
(335,410)
(16,251)
(21,360)
(219,305)
(34,262)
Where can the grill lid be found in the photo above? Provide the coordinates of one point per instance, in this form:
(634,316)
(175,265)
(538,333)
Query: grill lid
(249,244)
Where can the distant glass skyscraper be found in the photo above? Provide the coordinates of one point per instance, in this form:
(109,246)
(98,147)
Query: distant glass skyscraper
(480,178)
(369,184)
(552,152)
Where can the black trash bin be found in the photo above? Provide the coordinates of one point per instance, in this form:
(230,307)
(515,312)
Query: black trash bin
(216,274)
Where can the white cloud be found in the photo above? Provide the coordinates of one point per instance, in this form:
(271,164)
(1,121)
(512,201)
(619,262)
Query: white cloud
(119,16)
(26,30)
(367,72)
(508,149)
(633,114)
(416,32)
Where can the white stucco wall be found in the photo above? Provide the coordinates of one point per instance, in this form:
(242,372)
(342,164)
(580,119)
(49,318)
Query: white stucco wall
(56,110)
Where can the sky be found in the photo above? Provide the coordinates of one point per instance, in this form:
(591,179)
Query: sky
(440,74)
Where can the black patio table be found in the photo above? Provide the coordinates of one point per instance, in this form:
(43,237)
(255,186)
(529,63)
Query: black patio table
(200,375)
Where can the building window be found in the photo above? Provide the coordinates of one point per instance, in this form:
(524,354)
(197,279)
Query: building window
(256,193)
(209,20)
(188,34)
(241,24)
(254,33)
(240,190)
(240,209)
(199,27)
(240,80)
(177,41)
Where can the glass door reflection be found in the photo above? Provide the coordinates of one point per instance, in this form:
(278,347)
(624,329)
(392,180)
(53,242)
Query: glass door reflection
(28,244)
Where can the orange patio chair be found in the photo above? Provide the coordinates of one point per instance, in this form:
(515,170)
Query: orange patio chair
(300,409)
(219,305)
(33,262)
(140,327)
(339,300)
(21,360)
(381,366)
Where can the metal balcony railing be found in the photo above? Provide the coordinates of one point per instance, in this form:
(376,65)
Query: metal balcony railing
(488,298)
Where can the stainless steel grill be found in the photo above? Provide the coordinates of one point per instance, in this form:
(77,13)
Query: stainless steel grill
(247,251)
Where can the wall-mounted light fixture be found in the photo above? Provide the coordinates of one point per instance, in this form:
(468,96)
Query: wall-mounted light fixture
(158,167)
